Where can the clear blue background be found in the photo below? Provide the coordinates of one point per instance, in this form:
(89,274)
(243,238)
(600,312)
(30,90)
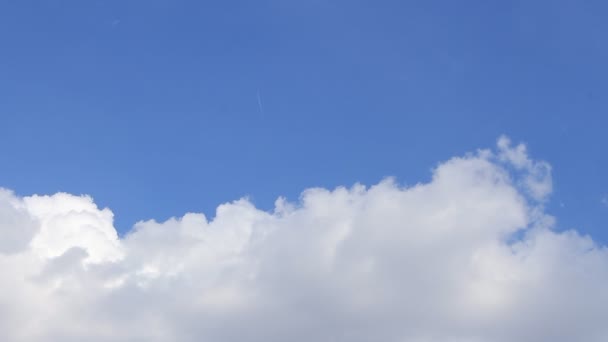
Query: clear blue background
(160,107)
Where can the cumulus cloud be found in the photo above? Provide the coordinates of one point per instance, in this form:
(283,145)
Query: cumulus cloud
(537,174)
(469,256)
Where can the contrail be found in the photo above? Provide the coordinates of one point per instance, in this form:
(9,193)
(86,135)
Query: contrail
(260,103)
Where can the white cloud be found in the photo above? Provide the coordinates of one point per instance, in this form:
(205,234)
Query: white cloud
(537,180)
(469,256)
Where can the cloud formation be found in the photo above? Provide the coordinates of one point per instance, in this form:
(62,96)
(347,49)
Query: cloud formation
(468,257)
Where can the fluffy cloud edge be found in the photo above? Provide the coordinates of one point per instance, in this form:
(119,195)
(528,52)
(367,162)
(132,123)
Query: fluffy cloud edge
(469,256)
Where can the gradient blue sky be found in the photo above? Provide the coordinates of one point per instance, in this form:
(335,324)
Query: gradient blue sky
(160,107)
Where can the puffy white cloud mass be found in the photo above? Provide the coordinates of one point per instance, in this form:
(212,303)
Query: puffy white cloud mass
(470,256)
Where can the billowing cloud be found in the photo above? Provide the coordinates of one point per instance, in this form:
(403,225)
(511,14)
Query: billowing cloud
(468,257)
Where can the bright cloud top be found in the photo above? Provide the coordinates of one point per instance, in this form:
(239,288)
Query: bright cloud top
(470,256)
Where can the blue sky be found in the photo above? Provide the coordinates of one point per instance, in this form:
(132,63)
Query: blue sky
(156,108)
